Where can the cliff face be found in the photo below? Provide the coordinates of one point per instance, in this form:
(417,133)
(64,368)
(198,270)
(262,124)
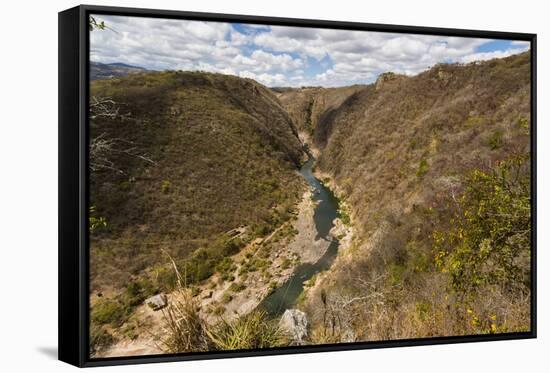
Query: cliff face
(312,109)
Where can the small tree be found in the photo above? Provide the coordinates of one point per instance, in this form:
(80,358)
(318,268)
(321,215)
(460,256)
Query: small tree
(95,25)
(489,239)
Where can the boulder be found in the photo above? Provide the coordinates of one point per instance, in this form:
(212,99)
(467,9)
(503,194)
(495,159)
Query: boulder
(294,322)
(157,302)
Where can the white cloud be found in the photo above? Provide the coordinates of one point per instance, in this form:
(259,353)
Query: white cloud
(282,62)
(276,55)
(490,55)
(521,43)
(264,78)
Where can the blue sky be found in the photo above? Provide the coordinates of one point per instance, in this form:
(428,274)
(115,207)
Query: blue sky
(283,56)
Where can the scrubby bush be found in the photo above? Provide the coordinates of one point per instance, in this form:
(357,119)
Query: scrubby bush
(344,216)
(489,241)
(165,187)
(422,168)
(226,297)
(100,339)
(96,222)
(237,287)
(286,263)
(495,140)
(185,330)
(252,331)
(108,312)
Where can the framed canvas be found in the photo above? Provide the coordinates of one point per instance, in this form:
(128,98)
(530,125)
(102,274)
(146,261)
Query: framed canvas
(235,186)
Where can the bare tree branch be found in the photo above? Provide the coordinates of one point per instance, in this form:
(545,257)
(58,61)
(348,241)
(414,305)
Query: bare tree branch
(102,148)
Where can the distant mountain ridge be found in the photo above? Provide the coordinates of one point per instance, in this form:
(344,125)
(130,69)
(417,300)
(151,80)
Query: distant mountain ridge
(100,70)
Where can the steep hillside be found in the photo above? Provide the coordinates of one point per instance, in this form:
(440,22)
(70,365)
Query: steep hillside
(424,164)
(310,108)
(393,140)
(429,230)
(182,160)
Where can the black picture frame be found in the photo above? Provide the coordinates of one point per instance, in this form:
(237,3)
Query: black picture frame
(73,254)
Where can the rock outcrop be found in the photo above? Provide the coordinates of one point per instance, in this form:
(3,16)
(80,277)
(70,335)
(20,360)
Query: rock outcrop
(157,302)
(294,322)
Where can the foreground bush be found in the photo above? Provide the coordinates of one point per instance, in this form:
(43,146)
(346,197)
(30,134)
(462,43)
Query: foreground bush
(185,330)
(489,242)
(100,339)
(252,331)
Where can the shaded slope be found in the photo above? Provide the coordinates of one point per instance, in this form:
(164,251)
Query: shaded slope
(225,155)
(310,108)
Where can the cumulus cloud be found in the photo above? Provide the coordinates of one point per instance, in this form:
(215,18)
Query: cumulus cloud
(483,56)
(284,56)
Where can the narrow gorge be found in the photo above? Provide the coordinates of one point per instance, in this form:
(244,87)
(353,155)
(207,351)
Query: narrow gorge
(337,203)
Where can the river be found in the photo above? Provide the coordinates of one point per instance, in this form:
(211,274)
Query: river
(326,210)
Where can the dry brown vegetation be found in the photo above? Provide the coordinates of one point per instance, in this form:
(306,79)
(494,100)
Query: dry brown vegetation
(433,171)
(188,157)
(187,331)
(404,154)
(313,107)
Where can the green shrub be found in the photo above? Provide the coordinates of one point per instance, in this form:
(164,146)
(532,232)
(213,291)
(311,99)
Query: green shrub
(225,265)
(165,187)
(96,222)
(100,339)
(344,217)
(228,277)
(524,124)
(397,273)
(108,312)
(489,239)
(137,291)
(495,141)
(218,310)
(272,287)
(422,168)
(226,297)
(237,287)
(423,310)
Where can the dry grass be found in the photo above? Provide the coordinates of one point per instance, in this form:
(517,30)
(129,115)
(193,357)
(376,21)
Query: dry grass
(184,328)
(247,332)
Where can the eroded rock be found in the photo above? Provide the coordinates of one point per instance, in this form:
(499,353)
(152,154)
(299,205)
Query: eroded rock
(294,322)
(157,302)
